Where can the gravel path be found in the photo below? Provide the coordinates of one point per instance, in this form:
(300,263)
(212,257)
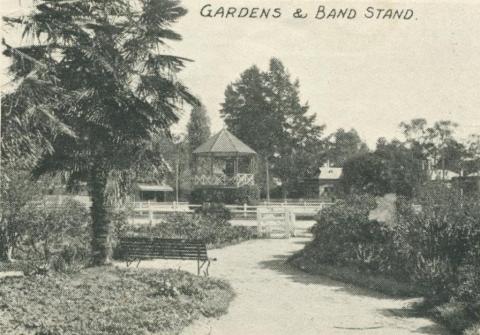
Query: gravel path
(274,298)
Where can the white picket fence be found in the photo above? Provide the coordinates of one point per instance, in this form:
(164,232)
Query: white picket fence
(275,222)
(150,210)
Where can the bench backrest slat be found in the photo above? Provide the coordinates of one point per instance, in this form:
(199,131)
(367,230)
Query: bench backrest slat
(140,247)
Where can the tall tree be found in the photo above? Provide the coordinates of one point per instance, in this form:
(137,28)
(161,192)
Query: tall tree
(249,115)
(343,145)
(391,168)
(365,173)
(299,150)
(264,110)
(472,161)
(434,144)
(404,171)
(198,127)
(107,79)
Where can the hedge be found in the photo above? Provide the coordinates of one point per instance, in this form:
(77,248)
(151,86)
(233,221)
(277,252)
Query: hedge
(242,195)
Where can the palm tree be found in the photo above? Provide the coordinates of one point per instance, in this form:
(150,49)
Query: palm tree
(108,85)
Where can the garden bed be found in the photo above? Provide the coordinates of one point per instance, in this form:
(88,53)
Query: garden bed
(214,229)
(432,253)
(108,300)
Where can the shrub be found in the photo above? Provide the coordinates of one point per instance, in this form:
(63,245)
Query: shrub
(106,300)
(56,236)
(345,235)
(217,211)
(437,247)
(241,195)
(210,224)
(454,315)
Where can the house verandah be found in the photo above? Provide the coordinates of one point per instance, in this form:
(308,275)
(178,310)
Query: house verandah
(224,161)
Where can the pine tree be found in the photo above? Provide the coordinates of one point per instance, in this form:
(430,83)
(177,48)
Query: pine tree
(198,127)
(264,110)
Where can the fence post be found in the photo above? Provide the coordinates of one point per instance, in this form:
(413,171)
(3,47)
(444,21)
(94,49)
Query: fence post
(150,212)
(244,210)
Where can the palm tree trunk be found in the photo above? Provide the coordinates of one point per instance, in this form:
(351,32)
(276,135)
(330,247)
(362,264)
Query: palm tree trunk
(101,244)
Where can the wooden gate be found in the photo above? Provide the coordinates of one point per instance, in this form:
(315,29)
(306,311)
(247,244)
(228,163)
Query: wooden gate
(275,222)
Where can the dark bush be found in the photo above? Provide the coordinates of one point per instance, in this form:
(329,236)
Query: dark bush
(217,211)
(215,230)
(56,235)
(433,242)
(242,195)
(345,235)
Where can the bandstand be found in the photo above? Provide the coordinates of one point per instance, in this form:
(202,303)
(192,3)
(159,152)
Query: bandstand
(224,161)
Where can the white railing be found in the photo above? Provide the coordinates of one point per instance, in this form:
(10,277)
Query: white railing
(238,180)
(243,179)
(149,210)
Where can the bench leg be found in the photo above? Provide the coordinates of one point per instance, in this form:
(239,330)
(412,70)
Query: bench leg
(138,263)
(206,269)
(201,265)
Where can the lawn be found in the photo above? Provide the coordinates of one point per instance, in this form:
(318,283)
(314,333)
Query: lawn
(108,300)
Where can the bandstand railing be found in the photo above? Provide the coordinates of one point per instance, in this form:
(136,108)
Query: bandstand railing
(238,180)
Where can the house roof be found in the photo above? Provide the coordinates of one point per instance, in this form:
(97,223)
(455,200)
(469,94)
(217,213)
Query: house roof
(440,174)
(224,143)
(327,172)
(154,188)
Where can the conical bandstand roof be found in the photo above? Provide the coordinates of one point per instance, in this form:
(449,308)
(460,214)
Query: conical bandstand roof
(224,143)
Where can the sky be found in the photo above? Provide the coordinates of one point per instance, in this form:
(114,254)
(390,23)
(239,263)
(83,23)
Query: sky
(363,73)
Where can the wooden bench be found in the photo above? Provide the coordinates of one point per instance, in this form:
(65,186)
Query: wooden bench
(138,248)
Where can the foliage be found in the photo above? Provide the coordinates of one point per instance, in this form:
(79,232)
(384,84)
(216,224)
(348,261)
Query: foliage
(241,195)
(434,143)
(57,235)
(214,230)
(404,171)
(436,248)
(215,210)
(342,145)
(198,127)
(264,110)
(392,168)
(98,69)
(344,235)
(441,240)
(16,192)
(365,173)
(151,302)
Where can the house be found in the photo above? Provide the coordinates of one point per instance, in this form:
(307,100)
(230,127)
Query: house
(328,180)
(153,192)
(443,175)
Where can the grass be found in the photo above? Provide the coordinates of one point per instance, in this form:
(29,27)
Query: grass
(108,300)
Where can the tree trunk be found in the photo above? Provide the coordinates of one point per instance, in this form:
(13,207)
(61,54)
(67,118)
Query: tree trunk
(101,244)
(267,172)
(6,249)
